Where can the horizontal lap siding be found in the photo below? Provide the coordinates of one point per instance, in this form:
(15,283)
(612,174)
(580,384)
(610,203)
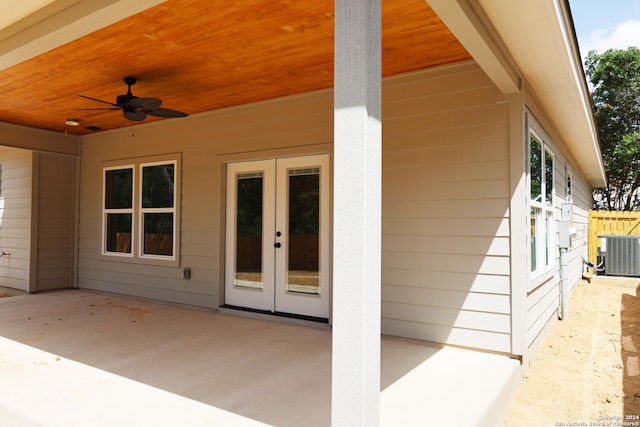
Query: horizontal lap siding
(445,260)
(543,303)
(55,221)
(285,127)
(582,202)
(15,217)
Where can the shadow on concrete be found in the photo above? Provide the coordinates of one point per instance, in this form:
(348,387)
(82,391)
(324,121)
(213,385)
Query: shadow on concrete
(272,372)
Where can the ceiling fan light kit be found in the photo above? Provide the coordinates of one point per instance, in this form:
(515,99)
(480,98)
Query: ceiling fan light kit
(134,108)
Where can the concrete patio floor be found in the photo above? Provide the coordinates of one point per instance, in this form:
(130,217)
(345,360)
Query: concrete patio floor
(81,358)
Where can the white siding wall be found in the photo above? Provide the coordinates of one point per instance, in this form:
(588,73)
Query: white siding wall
(543,302)
(446,197)
(582,202)
(15,217)
(292,126)
(53,235)
(446,200)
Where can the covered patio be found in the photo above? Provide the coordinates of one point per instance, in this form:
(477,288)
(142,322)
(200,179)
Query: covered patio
(78,358)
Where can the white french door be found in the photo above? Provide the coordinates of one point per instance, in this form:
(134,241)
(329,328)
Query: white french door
(277,235)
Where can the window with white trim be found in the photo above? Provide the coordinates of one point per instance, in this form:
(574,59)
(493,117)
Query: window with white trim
(541,200)
(118,211)
(140,210)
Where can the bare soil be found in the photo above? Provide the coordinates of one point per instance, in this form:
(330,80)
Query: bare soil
(587,372)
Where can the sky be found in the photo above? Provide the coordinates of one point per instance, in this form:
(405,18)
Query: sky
(606,24)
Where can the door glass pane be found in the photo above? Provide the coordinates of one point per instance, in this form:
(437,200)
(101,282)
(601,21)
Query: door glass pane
(248,254)
(303,238)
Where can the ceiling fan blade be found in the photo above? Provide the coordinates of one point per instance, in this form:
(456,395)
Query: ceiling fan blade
(99,100)
(134,115)
(145,103)
(98,109)
(165,112)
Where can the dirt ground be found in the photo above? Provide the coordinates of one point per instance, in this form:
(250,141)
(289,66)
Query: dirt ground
(587,372)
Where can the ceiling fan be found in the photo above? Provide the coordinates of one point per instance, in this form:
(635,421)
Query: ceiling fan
(134,108)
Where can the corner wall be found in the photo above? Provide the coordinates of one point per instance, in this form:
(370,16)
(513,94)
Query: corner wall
(543,302)
(15,217)
(53,230)
(446,194)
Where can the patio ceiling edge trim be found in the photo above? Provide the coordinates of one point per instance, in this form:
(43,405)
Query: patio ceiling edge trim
(60,22)
(28,138)
(464,22)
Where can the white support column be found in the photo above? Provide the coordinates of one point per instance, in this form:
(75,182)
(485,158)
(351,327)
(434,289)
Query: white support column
(357,214)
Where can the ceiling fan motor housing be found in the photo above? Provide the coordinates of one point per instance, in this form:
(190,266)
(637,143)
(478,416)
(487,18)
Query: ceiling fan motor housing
(129,81)
(123,100)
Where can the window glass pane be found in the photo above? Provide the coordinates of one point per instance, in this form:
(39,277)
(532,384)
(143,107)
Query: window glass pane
(158,234)
(534,247)
(118,188)
(158,186)
(118,233)
(303,270)
(535,169)
(249,231)
(548,239)
(548,176)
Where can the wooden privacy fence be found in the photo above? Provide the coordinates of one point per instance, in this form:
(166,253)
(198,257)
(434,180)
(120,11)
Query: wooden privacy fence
(611,222)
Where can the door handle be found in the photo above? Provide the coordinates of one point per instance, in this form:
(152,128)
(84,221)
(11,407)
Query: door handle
(277,245)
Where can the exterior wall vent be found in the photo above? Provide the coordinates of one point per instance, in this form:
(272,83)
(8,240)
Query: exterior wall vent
(621,255)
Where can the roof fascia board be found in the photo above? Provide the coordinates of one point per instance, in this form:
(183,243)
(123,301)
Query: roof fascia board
(587,166)
(60,22)
(540,38)
(570,40)
(469,27)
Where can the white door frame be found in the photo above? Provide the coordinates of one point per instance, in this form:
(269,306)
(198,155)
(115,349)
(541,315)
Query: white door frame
(274,295)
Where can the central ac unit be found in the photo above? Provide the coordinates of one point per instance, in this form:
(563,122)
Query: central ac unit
(620,254)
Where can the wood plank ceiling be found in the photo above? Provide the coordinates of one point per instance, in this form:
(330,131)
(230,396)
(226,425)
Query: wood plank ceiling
(204,55)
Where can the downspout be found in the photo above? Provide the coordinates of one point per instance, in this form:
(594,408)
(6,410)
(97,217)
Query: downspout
(564,242)
(564,285)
